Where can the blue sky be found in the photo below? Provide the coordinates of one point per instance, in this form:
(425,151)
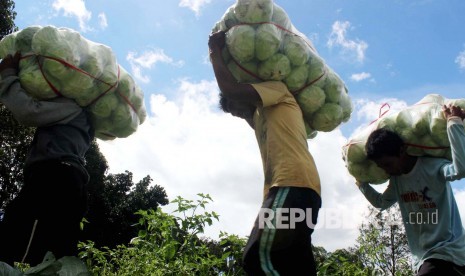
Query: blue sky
(392,52)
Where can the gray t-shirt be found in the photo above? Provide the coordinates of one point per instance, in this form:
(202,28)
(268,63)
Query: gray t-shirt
(64,131)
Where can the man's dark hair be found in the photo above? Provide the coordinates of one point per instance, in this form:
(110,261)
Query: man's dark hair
(224,103)
(383,142)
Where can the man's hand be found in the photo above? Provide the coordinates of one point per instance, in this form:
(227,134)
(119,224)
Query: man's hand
(216,41)
(453,111)
(10,62)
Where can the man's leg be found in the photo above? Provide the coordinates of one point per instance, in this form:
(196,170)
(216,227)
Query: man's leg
(283,251)
(46,214)
(17,225)
(60,213)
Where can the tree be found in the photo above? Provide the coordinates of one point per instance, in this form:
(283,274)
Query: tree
(7,18)
(14,145)
(113,201)
(14,138)
(382,243)
(168,244)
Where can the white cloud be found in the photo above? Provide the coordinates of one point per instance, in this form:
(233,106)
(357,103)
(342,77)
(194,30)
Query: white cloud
(360,76)
(102,20)
(369,110)
(194,5)
(188,146)
(76,8)
(460,60)
(147,60)
(338,38)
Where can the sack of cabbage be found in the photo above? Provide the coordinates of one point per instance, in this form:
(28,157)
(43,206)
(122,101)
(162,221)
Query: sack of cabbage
(262,44)
(422,127)
(59,62)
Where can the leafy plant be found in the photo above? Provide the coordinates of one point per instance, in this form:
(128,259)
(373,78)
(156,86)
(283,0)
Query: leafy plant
(169,244)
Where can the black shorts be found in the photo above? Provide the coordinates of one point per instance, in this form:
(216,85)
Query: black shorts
(280,242)
(437,267)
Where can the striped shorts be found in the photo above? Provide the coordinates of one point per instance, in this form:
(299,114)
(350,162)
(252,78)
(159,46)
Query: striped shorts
(280,241)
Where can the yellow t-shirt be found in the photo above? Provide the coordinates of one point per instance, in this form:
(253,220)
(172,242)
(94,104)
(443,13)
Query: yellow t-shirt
(282,139)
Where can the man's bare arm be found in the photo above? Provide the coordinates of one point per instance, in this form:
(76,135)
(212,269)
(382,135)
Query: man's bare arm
(230,88)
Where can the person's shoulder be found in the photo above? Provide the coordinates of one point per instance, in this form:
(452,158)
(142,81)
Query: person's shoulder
(430,162)
(274,85)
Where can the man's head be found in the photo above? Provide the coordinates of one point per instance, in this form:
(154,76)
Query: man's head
(236,108)
(388,151)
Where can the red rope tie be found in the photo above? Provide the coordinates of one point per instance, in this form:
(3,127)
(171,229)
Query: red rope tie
(296,92)
(76,69)
(108,90)
(55,90)
(128,102)
(245,70)
(381,113)
(68,65)
(425,147)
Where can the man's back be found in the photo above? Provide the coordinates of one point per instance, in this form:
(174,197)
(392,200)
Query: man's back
(281,135)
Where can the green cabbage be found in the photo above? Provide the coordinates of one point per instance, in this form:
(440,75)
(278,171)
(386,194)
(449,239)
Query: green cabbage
(253,11)
(316,69)
(243,76)
(403,119)
(240,41)
(94,60)
(57,69)
(420,124)
(356,152)
(388,123)
(78,85)
(126,85)
(70,82)
(32,80)
(276,67)
(359,171)
(267,41)
(137,98)
(8,45)
(327,118)
(81,70)
(311,133)
(376,174)
(137,101)
(104,106)
(24,39)
(103,127)
(226,55)
(280,17)
(428,141)
(121,116)
(334,87)
(89,97)
(407,135)
(297,78)
(228,20)
(127,130)
(310,100)
(438,128)
(54,42)
(347,105)
(296,49)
